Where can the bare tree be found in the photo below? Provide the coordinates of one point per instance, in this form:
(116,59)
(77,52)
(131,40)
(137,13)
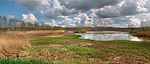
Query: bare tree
(36,25)
(29,25)
(0,22)
(12,23)
(5,22)
(47,26)
(42,25)
(23,24)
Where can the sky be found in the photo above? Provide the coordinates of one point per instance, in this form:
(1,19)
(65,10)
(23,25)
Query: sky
(76,13)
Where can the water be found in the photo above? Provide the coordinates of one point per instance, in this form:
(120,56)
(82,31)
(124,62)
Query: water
(108,36)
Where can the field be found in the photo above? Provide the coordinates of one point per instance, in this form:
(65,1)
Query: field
(58,47)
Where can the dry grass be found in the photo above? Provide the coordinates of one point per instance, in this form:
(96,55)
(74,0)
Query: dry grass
(143,34)
(12,42)
(39,33)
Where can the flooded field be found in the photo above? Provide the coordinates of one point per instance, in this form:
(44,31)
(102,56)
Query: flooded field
(108,36)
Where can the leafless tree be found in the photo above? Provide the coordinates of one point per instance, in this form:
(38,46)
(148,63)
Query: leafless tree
(5,22)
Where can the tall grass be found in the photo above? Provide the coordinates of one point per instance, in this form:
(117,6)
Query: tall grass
(11,44)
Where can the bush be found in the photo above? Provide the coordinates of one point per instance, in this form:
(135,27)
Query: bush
(79,31)
(3,29)
(143,34)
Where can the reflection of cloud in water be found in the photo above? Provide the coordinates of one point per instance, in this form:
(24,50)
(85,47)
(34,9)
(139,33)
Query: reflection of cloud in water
(109,37)
(136,39)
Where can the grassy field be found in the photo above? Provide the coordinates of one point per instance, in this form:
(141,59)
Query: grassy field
(11,61)
(51,48)
(71,49)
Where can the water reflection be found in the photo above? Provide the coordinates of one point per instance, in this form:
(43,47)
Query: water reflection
(108,36)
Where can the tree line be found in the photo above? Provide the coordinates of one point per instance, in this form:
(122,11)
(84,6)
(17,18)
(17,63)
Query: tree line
(15,24)
(144,26)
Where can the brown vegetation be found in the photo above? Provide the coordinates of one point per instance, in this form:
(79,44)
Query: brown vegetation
(13,42)
(143,34)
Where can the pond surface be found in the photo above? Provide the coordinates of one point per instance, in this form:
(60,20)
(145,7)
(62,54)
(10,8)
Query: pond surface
(108,36)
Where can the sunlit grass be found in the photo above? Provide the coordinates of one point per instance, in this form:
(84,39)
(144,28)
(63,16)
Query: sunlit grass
(128,48)
(87,52)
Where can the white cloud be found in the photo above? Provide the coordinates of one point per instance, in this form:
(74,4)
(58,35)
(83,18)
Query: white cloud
(81,19)
(56,10)
(135,22)
(29,18)
(110,13)
(11,16)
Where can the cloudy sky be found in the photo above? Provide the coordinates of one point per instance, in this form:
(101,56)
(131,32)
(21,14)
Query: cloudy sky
(75,13)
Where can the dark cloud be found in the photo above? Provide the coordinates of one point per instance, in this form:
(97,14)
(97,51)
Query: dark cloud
(88,4)
(106,8)
(126,7)
(71,7)
(34,5)
(58,12)
(64,7)
(147,5)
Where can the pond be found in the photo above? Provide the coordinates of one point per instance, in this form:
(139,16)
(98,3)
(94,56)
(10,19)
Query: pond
(108,36)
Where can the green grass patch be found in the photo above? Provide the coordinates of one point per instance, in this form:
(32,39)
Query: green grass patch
(80,31)
(11,61)
(34,49)
(52,49)
(53,40)
(87,52)
(70,62)
(128,48)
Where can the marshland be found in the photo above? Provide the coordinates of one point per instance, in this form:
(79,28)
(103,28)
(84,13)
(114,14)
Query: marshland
(74,32)
(56,45)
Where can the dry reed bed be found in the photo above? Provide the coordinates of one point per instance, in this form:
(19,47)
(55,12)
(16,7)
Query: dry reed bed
(39,33)
(12,42)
